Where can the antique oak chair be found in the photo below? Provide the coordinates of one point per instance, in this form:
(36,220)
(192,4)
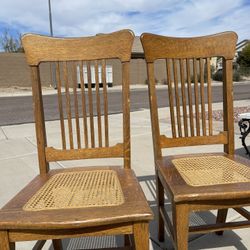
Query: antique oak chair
(86,201)
(195,182)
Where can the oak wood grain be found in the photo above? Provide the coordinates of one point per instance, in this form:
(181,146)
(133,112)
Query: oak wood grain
(186,198)
(84,113)
(60,104)
(220,138)
(134,208)
(105,100)
(115,151)
(17,235)
(141,232)
(69,49)
(68,104)
(222,44)
(74,54)
(4,240)
(74,83)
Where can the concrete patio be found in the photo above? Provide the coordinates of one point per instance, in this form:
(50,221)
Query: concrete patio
(18,164)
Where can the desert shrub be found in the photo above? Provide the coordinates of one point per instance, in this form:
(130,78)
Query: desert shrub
(244,70)
(236,76)
(218,76)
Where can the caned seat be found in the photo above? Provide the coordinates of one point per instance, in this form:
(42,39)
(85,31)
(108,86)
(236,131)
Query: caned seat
(79,201)
(202,181)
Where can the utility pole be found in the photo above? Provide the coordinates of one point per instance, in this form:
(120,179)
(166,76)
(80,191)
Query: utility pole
(52,65)
(50,19)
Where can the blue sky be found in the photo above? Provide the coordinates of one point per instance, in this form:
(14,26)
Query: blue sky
(167,17)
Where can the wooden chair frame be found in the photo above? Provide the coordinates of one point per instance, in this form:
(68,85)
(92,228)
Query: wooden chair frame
(130,218)
(183,197)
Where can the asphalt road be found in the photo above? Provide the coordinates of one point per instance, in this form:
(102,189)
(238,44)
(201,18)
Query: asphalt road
(18,110)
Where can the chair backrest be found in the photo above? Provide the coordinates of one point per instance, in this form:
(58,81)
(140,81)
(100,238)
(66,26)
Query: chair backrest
(188,74)
(84,115)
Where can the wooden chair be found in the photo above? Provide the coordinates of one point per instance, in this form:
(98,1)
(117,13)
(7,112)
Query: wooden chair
(87,201)
(195,182)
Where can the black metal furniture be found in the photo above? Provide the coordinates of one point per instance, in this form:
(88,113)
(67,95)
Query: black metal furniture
(244,124)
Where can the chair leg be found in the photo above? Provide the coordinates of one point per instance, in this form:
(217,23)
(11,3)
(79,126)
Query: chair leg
(141,236)
(4,240)
(221,218)
(181,225)
(160,204)
(57,244)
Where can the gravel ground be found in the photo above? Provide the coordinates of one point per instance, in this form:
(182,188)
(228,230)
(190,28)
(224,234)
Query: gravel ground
(218,114)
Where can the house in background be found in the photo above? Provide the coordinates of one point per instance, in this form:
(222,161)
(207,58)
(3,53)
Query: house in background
(242,45)
(239,47)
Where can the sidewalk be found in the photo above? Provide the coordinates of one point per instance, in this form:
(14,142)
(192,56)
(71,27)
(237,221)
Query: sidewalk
(27,91)
(18,163)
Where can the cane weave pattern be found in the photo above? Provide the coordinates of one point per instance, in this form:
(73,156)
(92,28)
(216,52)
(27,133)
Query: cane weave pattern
(96,188)
(211,170)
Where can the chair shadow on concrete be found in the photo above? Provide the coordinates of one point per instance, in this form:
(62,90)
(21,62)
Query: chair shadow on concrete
(242,152)
(205,241)
(228,239)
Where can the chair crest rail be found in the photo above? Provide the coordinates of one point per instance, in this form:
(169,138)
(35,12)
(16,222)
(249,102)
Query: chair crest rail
(45,49)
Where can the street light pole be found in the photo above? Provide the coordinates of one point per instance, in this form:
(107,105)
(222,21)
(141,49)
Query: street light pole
(50,19)
(52,65)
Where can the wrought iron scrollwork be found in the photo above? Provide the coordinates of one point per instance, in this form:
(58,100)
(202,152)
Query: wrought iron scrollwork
(244,125)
